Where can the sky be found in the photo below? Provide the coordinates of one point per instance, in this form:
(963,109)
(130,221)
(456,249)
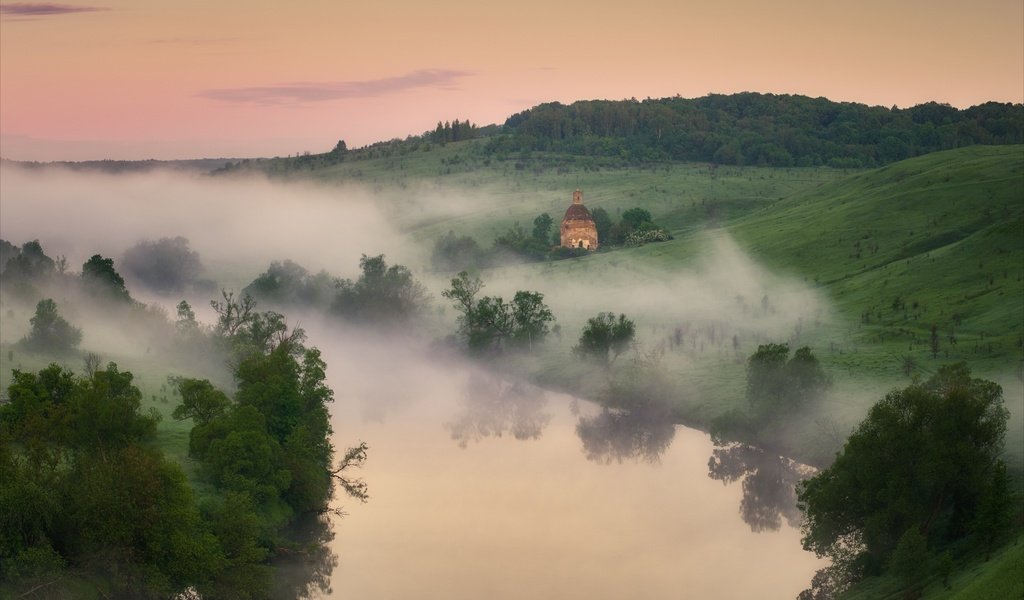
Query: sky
(123,79)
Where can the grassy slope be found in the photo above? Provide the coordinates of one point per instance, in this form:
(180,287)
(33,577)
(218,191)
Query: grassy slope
(999,577)
(942,233)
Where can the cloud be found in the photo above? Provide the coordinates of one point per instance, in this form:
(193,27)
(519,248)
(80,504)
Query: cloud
(300,92)
(193,40)
(31,9)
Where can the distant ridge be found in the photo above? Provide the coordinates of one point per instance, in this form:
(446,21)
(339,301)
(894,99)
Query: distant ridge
(744,129)
(758,129)
(125,166)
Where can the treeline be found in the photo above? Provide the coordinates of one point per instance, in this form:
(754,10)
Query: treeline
(757,129)
(737,129)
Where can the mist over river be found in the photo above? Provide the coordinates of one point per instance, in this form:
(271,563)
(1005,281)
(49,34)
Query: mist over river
(480,488)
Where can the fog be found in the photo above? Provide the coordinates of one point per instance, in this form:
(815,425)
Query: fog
(239,225)
(480,485)
(234,223)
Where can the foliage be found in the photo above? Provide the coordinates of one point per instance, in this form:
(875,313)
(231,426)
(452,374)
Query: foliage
(515,243)
(778,384)
(635,217)
(923,459)
(29,264)
(542,227)
(490,324)
(83,489)
(604,338)
(382,294)
(646,236)
(165,266)
(200,401)
(287,284)
(453,253)
(186,323)
(603,222)
(453,131)
(51,332)
(7,252)
(244,331)
(910,560)
(756,129)
(99,276)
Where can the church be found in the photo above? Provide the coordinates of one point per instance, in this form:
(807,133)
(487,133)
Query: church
(578,228)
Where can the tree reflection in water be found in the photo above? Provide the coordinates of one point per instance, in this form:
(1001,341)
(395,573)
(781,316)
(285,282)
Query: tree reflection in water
(304,569)
(492,407)
(769,482)
(642,434)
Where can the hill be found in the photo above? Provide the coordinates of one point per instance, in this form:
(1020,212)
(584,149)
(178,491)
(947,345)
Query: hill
(931,241)
(740,129)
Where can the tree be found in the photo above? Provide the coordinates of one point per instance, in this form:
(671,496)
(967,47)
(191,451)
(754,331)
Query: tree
(605,335)
(50,332)
(286,283)
(29,264)
(86,490)
(603,223)
(382,294)
(530,318)
(542,227)
(491,324)
(633,218)
(101,277)
(452,253)
(924,458)
(186,323)
(165,266)
(777,383)
(232,314)
(200,401)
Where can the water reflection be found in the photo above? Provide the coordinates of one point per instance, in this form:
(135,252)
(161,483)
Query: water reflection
(643,434)
(304,570)
(491,407)
(769,481)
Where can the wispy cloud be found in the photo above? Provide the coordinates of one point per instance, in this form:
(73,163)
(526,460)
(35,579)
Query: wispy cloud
(299,92)
(193,40)
(44,9)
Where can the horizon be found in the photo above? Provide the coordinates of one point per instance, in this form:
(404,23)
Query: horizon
(426,132)
(112,80)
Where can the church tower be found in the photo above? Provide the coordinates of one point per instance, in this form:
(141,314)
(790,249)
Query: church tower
(578,228)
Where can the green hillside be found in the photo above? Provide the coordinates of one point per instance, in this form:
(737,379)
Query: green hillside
(936,240)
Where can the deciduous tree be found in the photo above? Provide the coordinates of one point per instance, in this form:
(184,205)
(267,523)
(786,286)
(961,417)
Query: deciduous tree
(605,337)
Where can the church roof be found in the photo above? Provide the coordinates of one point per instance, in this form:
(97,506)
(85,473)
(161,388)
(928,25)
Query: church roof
(577,212)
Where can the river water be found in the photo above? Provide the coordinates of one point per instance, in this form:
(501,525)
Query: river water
(484,489)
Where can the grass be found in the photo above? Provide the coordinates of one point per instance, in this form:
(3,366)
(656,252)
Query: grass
(999,577)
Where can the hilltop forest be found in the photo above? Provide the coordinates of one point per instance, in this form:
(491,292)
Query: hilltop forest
(736,129)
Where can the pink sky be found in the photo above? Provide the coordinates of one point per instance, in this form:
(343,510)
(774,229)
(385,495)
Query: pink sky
(199,78)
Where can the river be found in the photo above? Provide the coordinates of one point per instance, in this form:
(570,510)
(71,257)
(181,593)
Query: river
(484,489)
